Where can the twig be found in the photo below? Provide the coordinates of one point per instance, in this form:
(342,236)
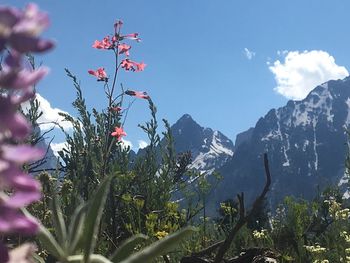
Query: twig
(243,219)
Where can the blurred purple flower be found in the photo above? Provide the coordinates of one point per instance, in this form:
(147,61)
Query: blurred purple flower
(14,76)
(20,33)
(4,255)
(21,29)
(12,121)
(13,221)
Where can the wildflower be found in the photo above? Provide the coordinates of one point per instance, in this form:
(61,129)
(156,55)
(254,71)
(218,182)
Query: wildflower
(161,234)
(140,66)
(315,249)
(20,29)
(127,64)
(19,32)
(116,109)
(133,36)
(138,94)
(14,76)
(124,48)
(260,234)
(118,133)
(104,44)
(100,73)
(346,236)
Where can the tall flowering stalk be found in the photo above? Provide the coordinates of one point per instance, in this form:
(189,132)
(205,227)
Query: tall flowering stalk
(19,34)
(116,44)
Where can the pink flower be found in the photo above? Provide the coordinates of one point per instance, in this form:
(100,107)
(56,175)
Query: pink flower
(127,64)
(140,66)
(133,36)
(118,133)
(104,44)
(124,48)
(138,94)
(116,109)
(132,65)
(100,73)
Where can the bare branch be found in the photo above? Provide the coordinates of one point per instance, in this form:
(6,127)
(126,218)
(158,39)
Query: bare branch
(244,219)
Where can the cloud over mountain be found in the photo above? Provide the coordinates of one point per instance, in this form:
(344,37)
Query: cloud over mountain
(50,117)
(301,71)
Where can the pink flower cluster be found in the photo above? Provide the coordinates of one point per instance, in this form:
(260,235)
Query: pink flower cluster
(19,34)
(115,44)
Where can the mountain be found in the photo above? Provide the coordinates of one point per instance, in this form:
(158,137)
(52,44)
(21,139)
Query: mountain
(305,142)
(50,162)
(210,149)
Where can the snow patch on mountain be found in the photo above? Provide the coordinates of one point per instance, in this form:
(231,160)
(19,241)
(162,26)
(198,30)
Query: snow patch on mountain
(305,112)
(347,122)
(217,146)
(214,154)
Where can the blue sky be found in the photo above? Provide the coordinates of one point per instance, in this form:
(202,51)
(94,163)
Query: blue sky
(215,60)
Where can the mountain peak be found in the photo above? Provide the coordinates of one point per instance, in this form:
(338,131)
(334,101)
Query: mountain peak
(210,149)
(305,143)
(185,119)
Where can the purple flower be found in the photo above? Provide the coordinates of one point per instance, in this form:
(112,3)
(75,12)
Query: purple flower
(21,29)
(20,33)
(14,76)
(9,16)
(12,121)
(13,221)
(4,255)
(20,154)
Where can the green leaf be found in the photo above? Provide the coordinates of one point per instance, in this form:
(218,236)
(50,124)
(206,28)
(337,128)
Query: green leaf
(50,244)
(93,218)
(58,221)
(93,259)
(47,240)
(75,229)
(160,247)
(126,249)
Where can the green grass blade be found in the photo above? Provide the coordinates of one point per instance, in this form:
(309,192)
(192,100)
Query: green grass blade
(161,247)
(93,218)
(93,259)
(50,244)
(126,249)
(75,229)
(58,221)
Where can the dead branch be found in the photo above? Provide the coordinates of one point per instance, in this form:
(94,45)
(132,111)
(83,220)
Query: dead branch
(224,245)
(243,219)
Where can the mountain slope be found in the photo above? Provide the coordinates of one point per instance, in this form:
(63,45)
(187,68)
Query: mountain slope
(210,149)
(306,144)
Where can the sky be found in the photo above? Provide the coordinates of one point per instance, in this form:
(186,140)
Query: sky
(226,63)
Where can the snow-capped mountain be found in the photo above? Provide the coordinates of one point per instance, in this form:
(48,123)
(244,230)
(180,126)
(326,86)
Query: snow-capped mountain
(210,149)
(306,145)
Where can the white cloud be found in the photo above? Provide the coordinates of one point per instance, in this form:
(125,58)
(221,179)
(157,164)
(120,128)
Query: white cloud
(282,53)
(50,115)
(142,144)
(126,143)
(248,53)
(300,72)
(56,147)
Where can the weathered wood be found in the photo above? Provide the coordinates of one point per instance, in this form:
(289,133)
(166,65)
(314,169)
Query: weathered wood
(224,245)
